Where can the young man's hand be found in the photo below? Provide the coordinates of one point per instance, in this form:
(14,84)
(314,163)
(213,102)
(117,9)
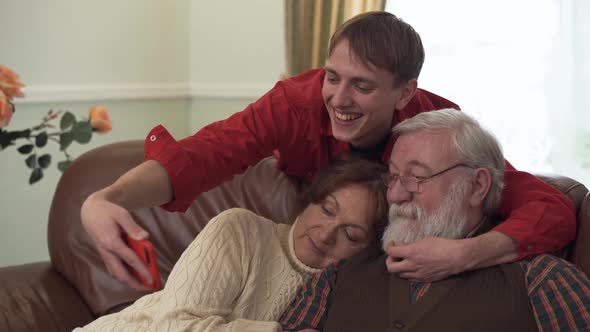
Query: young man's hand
(105,215)
(433,258)
(104,221)
(428,259)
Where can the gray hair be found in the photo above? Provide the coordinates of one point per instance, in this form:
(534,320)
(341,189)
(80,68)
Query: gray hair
(475,146)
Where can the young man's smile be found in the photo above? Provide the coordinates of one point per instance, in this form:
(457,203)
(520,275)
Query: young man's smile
(360,98)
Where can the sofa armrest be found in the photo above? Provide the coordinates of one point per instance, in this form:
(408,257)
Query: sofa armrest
(34,297)
(581,253)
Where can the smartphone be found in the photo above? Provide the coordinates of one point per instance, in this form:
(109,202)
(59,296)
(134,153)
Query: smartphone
(145,251)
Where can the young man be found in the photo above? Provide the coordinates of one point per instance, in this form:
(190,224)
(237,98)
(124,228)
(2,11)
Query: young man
(445,180)
(368,86)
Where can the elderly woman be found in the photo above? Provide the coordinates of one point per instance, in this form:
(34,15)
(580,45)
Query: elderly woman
(243,270)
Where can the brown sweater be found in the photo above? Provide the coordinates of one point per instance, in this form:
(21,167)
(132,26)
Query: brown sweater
(368,298)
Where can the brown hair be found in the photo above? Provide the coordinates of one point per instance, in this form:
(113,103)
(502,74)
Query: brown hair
(385,41)
(342,173)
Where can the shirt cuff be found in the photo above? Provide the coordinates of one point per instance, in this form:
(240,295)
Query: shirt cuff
(162,147)
(529,242)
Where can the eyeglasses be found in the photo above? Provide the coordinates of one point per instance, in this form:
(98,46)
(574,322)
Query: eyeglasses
(412,183)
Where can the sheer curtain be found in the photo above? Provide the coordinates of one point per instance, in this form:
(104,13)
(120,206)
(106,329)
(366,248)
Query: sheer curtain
(522,68)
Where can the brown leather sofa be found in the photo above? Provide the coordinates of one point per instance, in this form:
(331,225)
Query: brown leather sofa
(74,287)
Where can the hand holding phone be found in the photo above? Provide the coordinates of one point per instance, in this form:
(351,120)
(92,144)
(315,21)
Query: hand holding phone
(145,251)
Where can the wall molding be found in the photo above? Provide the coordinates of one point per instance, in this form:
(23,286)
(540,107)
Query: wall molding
(246,90)
(180,90)
(68,93)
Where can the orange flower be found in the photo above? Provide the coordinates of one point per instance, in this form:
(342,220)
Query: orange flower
(5,110)
(99,119)
(10,84)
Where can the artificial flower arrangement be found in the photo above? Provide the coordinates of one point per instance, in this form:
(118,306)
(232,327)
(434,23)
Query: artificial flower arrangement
(30,141)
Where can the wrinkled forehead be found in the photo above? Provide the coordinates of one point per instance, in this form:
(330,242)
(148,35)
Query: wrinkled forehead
(430,149)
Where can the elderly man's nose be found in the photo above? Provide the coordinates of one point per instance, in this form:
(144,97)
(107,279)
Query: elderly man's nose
(396,193)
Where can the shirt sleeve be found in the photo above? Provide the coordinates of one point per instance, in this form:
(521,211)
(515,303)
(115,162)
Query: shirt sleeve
(224,148)
(201,291)
(559,294)
(538,216)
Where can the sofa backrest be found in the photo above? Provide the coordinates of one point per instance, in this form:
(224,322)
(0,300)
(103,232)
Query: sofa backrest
(261,189)
(578,251)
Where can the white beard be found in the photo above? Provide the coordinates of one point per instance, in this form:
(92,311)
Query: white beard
(409,222)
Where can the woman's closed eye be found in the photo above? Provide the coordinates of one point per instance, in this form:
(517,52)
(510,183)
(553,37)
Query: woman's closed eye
(353,234)
(350,237)
(328,211)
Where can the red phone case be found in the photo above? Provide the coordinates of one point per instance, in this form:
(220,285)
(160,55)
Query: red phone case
(145,251)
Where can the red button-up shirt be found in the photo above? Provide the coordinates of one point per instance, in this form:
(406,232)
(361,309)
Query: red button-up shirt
(291,121)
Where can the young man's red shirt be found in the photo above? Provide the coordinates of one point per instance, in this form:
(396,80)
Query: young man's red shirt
(292,122)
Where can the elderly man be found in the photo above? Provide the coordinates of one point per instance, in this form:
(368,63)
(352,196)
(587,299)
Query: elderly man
(445,180)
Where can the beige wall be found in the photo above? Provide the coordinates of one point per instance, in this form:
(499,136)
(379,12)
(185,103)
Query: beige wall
(180,63)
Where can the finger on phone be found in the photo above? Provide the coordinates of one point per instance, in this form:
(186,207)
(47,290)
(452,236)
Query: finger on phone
(131,228)
(105,258)
(133,261)
(121,273)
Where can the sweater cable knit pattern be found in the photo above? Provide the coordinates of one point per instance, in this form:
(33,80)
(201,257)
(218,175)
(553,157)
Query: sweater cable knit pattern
(239,274)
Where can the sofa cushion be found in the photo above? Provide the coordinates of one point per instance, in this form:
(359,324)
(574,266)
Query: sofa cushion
(34,297)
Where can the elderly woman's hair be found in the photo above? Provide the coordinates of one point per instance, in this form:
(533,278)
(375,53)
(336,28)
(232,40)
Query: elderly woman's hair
(342,173)
(474,145)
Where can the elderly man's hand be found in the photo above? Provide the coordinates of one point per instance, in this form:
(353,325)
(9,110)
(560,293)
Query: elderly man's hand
(428,259)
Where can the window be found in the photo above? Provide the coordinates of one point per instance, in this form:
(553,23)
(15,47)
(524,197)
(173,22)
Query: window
(522,68)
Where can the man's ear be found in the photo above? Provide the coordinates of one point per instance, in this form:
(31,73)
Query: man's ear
(482,182)
(407,91)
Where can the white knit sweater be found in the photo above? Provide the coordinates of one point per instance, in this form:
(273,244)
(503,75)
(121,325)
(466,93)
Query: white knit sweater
(239,274)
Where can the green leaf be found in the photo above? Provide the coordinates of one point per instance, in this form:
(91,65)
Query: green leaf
(5,139)
(36,175)
(65,140)
(67,120)
(25,149)
(82,132)
(62,165)
(44,161)
(31,161)
(41,139)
